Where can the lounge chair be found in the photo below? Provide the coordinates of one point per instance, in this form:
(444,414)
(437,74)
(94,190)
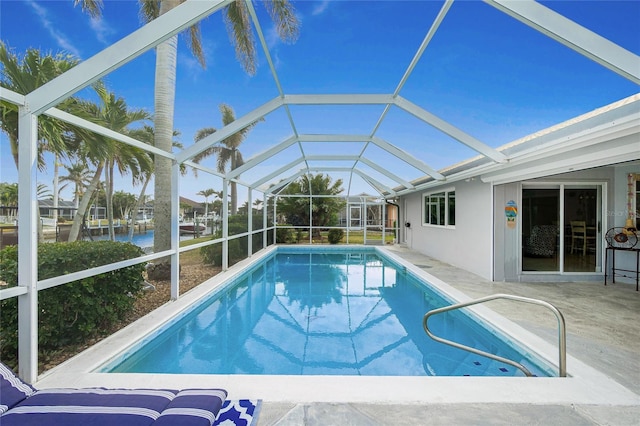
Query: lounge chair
(21,404)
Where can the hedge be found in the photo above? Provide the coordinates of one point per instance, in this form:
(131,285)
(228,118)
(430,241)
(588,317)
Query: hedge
(69,314)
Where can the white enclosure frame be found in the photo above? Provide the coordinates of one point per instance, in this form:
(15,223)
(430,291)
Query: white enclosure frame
(43,101)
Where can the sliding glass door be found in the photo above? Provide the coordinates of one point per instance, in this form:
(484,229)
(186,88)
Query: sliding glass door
(540,230)
(561,228)
(582,229)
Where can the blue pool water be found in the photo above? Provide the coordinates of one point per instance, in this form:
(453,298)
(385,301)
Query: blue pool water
(347,313)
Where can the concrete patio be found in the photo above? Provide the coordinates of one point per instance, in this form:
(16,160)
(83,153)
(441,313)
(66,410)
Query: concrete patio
(603,331)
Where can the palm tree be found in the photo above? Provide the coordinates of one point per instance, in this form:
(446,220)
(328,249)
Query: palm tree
(79,177)
(118,117)
(43,192)
(257,204)
(325,209)
(102,151)
(24,75)
(227,152)
(9,198)
(146,134)
(206,193)
(238,23)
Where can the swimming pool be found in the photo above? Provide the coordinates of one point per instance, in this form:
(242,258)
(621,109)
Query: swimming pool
(323,311)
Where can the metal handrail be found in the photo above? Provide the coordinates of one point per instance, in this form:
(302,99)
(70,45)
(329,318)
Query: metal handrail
(562,336)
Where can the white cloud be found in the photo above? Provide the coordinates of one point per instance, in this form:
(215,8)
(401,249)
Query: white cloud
(60,38)
(272,38)
(273,41)
(189,64)
(101,29)
(320,8)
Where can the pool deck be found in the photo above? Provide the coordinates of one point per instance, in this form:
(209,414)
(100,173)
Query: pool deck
(603,345)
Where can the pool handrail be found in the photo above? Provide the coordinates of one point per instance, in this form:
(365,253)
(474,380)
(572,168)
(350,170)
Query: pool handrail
(562,339)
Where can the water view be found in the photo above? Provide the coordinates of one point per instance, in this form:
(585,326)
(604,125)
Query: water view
(143,240)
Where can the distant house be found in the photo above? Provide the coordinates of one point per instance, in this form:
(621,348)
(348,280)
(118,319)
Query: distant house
(367,210)
(66,209)
(145,213)
(189,207)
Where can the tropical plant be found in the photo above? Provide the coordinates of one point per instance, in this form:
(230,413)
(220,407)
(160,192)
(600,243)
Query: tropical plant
(125,157)
(228,151)
(9,197)
(143,134)
(100,150)
(335,235)
(324,210)
(206,193)
(123,203)
(79,176)
(24,75)
(43,192)
(257,204)
(238,23)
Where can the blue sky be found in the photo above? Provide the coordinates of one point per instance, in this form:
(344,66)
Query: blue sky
(484,72)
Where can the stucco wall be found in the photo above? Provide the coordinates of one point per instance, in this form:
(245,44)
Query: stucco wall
(506,251)
(469,244)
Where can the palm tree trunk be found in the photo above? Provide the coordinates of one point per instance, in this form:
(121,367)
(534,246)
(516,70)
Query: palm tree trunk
(56,184)
(234,187)
(84,203)
(163,121)
(109,198)
(134,213)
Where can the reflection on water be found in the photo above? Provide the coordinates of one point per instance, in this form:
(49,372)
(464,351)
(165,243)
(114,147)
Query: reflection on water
(322,314)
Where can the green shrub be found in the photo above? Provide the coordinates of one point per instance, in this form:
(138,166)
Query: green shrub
(213,254)
(237,247)
(335,236)
(284,235)
(71,313)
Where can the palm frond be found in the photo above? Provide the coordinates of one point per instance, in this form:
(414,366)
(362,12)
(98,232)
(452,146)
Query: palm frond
(224,157)
(92,7)
(149,10)
(206,153)
(203,133)
(194,43)
(285,19)
(238,26)
(239,159)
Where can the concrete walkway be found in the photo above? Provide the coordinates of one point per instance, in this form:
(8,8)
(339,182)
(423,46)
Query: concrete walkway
(603,331)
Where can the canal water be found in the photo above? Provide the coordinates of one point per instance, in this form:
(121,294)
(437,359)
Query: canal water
(143,240)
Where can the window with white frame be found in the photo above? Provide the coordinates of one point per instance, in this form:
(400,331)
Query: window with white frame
(439,208)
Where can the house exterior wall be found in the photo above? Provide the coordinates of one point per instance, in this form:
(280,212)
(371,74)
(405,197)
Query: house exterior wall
(506,266)
(508,241)
(467,245)
(482,243)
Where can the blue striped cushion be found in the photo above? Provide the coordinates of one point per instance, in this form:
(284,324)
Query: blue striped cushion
(91,406)
(193,407)
(12,389)
(21,404)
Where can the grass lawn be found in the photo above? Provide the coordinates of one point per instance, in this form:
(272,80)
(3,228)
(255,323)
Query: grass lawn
(355,237)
